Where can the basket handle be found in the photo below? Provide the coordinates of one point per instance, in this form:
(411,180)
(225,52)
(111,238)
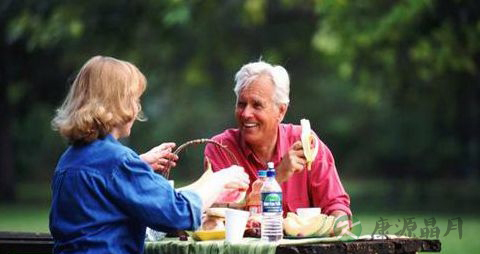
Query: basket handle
(166,172)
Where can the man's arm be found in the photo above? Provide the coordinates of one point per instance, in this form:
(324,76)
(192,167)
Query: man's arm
(338,213)
(326,188)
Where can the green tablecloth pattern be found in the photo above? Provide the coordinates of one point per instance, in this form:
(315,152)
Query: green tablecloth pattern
(174,246)
(246,246)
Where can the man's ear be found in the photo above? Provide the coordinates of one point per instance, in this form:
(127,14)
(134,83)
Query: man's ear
(282,110)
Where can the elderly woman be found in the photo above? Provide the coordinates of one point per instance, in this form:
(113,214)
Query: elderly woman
(104,195)
(262,92)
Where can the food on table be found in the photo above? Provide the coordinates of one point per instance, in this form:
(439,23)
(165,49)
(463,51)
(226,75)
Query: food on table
(206,235)
(318,225)
(213,225)
(327,227)
(214,219)
(307,137)
(254,225)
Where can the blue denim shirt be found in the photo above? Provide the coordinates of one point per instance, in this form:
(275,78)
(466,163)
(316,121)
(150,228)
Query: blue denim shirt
(104,196)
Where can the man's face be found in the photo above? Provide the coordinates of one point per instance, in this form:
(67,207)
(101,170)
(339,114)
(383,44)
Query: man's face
(256,112)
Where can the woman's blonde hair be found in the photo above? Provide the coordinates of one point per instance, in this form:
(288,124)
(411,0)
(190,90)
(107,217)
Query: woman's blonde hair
(105,94)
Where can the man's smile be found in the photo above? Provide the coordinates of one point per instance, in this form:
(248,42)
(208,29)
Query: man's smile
(249,125)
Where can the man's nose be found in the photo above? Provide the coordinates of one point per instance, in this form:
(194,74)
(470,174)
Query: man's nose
(247,112)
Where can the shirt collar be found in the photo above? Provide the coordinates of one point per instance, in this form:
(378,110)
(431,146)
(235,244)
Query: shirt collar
(111,138)
(246,150)
(279,146)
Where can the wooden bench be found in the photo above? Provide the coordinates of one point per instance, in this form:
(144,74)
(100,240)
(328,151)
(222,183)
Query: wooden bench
(25,242)
(389,246)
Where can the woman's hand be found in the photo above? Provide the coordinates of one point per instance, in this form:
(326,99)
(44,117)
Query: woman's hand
(211,185)
(161,157)
(294,160)
(233,177)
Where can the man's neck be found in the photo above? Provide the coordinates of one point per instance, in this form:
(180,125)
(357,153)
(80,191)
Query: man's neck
(265,152)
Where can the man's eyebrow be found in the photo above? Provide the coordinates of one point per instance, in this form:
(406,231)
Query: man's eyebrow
(259,100)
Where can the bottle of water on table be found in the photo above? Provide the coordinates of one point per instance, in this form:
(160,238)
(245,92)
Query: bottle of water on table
(272,219)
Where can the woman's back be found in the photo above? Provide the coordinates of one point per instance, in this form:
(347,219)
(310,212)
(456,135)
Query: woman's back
(83,215)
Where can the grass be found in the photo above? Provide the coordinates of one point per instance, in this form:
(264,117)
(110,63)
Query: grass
(24,218)
(410,195)
(31,213)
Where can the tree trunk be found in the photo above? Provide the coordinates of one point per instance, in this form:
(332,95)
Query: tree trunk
(7,173)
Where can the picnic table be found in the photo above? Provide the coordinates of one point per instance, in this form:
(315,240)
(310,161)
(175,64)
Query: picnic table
(24,242)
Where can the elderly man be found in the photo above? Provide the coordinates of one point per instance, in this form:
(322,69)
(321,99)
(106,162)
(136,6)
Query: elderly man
(262,92)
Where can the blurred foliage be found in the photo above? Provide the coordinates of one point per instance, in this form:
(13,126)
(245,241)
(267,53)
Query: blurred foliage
(391,86)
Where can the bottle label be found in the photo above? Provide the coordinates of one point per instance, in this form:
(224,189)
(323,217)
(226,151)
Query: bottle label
(272,202)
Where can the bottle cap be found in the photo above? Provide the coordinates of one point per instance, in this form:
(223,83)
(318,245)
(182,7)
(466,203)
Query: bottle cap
(270,165)
(262,173)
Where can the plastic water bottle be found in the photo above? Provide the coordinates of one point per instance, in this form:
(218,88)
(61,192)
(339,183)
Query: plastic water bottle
(272,219)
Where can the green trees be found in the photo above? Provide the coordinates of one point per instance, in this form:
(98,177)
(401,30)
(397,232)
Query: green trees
(389,86)
(415,63)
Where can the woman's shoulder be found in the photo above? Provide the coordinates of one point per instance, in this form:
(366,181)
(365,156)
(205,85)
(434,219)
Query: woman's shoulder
(98,153)
(110,147)
(122,158)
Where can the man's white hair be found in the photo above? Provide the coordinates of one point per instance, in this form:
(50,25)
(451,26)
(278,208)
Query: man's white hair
(279,76)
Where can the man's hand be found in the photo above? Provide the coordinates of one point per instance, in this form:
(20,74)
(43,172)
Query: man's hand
(294,160)
(338,213)
(341,226)
(161,157)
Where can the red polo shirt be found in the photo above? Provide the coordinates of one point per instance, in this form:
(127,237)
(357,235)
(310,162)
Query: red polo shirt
(318,187)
